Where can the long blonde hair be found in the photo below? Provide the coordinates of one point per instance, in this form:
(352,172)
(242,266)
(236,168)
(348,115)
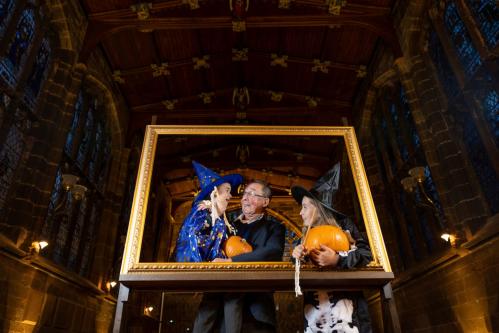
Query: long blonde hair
(323,216)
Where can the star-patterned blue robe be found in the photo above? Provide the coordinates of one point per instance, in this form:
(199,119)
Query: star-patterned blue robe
(198,240)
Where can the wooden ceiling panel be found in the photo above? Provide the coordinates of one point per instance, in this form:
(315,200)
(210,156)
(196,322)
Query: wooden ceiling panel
(145,89)
(303,43)
(131,49)
(350,46)
(97,6)
(178,45)
(264,40)
(216,41)
(297,79)
(222,74)
(185,82)
(260,75)
(337,85)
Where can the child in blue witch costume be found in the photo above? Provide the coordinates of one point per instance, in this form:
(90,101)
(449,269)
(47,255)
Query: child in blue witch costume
(205,229)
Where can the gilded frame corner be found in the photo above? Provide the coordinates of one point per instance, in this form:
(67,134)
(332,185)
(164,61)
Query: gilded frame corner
(131,255)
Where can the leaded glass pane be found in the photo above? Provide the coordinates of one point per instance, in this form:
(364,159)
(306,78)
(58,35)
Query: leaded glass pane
(445,74)
(410,230)
(404,152)
(431,190)
(416,141)
(6,9)
(490,105)
(10,154)
(74,125)
(76,236)
(481,162)
(18,48)
(89,241)
(486,14)
(104,165)
(388,146)
(4,104)
(96,150)
(55,200)
(38,73)
(64,220)
(466,52)
(85,141)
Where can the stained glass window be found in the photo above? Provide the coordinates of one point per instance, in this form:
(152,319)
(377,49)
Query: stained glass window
(445,74)
(38,73)
(55,199)
(17,50)
(76,234)
(89,240)
(466,52)
(10,154)
(490,105)
(486,14)
(481,162)
(74,125)
(64,226)
(85,141)
(87,153)
(6,9)
(404,152)
(388,146)
(104,164)
(416,141)
(97,149)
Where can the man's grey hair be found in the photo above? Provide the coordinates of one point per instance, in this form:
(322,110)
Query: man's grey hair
(266,191)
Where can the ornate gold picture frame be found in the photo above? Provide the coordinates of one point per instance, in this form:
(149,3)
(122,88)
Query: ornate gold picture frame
(131,265)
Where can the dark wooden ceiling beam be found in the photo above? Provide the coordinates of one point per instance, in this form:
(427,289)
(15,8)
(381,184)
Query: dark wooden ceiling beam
(350,8)
(189,62)
(324,103)
(99,29)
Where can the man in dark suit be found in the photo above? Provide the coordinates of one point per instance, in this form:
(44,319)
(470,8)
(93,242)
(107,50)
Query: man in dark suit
(266,236)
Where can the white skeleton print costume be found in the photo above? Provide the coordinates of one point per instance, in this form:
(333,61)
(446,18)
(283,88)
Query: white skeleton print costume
(330,315)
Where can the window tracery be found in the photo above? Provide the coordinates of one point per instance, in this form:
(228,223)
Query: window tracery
(18,99)
(87,155)
(461,40)
(474,104)
(486,13)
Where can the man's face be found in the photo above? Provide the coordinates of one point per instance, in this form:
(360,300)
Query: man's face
(253,201)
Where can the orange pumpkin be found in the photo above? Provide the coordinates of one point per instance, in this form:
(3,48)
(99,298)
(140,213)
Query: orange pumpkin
(235,246)
(328,235)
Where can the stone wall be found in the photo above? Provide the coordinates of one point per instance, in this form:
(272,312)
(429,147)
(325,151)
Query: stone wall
(41,300)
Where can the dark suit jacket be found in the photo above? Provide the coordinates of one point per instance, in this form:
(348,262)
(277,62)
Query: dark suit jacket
(266,236)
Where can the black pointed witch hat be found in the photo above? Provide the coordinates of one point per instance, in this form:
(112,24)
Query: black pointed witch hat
(323,191)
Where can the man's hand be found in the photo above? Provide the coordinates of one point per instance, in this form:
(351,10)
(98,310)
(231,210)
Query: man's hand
(222,260)
(325,257)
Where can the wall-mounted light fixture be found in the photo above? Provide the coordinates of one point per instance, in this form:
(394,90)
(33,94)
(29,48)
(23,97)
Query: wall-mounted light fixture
(148,310)
(110,285)
(37,246)
(69,183)
(34,249)
(415,182)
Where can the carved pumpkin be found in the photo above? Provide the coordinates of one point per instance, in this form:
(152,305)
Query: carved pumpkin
(328,235)
(236,245)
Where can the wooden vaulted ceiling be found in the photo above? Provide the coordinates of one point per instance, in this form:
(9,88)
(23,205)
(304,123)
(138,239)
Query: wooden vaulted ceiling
(294,62)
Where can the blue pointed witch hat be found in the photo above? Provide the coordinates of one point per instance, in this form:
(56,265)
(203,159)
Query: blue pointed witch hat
(208,179)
